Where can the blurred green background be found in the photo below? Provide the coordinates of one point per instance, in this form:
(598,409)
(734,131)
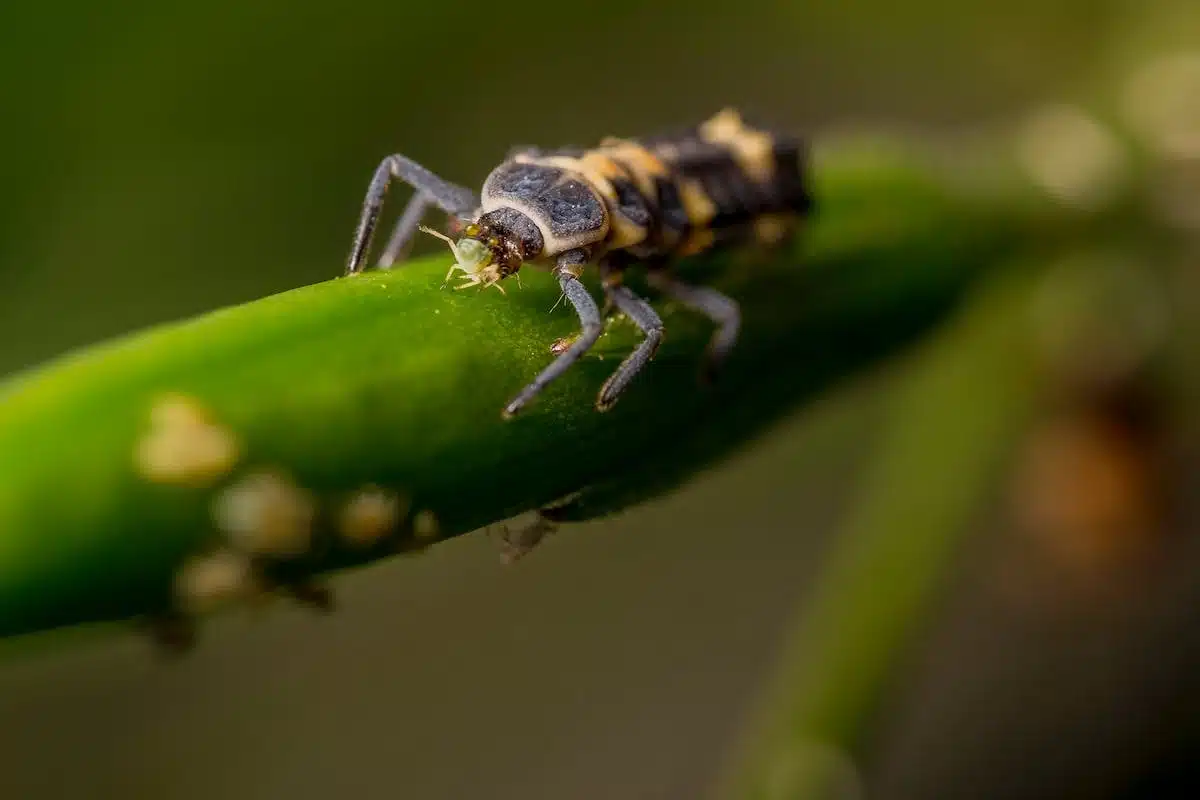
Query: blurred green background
(162,160)
(185,156)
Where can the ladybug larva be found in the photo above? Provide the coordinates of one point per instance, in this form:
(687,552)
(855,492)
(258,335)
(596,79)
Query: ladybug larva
(651,201)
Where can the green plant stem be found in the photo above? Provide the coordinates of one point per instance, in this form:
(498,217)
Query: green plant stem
(951,425)
(387,379)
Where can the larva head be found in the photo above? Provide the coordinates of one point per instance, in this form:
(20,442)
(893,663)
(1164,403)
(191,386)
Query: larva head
(483,257)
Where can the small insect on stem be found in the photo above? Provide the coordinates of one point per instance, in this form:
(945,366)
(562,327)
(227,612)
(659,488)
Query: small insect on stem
(469,259)
(652,201)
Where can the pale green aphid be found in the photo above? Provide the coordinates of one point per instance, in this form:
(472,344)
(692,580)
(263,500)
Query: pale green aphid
(473,258)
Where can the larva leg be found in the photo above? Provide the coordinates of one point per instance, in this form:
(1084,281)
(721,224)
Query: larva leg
(720,309)
(431,190)
(566,270)
(649,323)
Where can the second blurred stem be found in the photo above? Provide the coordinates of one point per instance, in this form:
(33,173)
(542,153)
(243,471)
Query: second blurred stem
(950,427)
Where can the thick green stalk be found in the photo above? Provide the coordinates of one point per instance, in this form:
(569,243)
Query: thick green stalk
(387,380)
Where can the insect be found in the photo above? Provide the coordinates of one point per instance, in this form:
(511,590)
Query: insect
(652,200)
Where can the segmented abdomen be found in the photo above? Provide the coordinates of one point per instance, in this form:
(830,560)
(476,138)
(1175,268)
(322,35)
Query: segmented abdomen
(718,183)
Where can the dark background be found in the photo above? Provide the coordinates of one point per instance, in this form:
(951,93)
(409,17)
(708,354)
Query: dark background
(160,160)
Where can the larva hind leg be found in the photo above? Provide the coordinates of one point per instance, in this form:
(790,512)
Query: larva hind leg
(722,310)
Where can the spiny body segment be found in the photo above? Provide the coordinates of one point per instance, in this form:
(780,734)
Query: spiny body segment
(653,200)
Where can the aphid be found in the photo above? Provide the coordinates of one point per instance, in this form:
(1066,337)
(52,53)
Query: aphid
(370,515)
(184,446)
(652,201)
(266,514)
